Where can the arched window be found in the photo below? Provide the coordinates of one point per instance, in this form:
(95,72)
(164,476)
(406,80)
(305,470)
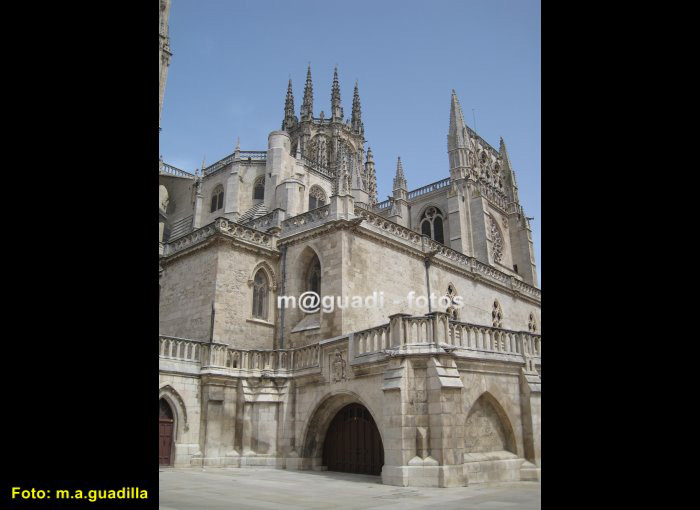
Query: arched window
(497,314)
(317,197)
(217,198)
(259,188)
(260,287)
(431,224)
(313,276)
(532,323)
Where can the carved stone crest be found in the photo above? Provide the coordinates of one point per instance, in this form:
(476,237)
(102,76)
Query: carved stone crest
(337,367)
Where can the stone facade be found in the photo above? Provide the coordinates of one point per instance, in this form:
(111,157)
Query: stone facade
(454,388)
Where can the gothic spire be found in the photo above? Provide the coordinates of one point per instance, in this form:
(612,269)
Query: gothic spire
(371,177)
(356,110)
(336,109)
(307,108)
(289,108)
(400,180)
(503,153)
(456,137)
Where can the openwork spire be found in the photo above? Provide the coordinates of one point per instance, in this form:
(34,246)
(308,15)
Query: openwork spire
(307,107)
(289,119)
(400,180)
(371,177)
(356,110)
(456,137)
(336,109)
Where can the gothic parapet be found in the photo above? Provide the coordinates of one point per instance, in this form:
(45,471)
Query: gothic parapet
(245,236)
(404,335)
(446,255)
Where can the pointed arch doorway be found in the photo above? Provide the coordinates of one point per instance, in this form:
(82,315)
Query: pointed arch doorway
(352,443)
(166,426)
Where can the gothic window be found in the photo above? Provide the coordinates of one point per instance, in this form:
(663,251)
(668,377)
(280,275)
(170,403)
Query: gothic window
(497,315)
(496,242)
(259,188)
(452,309)
(317,197)
(532,323)
(260,288)
(313,276)
(431,224)
(217,198)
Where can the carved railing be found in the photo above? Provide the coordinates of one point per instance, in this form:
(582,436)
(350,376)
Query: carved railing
(390,227)
(243,156)
(221,356)
(267,221)
(436,332)
(171,170)
(489,272)
(306,220)
(429,188)
(179,349)
(372,340)
(253,155)
(305,357)
(383,205)
(224,226)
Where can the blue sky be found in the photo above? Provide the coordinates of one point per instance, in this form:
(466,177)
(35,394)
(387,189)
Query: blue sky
(232,60)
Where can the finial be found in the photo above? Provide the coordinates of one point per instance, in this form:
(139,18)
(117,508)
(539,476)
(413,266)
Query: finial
(238,143)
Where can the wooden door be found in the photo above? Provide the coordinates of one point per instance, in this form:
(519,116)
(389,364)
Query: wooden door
(352,443)
(165,434)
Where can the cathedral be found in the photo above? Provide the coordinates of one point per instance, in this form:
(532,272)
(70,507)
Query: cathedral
(437,383)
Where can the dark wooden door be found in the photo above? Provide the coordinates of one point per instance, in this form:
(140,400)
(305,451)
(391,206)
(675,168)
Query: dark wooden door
(165,434)
(353,444)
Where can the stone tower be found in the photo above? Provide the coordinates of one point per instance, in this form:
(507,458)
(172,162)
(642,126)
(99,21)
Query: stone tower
(331,143)
(164,52)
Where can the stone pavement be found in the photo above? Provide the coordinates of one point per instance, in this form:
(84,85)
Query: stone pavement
(260,488)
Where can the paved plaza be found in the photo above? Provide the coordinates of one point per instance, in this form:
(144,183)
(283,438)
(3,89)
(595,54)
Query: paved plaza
(260,488)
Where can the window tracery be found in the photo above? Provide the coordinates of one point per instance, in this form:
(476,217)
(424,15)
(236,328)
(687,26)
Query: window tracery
(431,224)
(317,197)
(259,188)
(260,290)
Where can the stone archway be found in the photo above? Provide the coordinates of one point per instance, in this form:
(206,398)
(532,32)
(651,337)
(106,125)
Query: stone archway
(352,443)
(488,428)
(321,423)
(166,429)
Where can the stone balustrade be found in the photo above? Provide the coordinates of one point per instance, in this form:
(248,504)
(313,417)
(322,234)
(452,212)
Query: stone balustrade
(372,340)
(224,226)
(306,220)
(436,332)
(266,222)
(220,356)
(179,349)
(429,188)
(171,170)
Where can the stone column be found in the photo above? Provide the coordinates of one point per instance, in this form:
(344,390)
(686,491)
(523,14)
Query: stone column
(219,394)
(231,207)
(530,410)
(446,417)
(457,218)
